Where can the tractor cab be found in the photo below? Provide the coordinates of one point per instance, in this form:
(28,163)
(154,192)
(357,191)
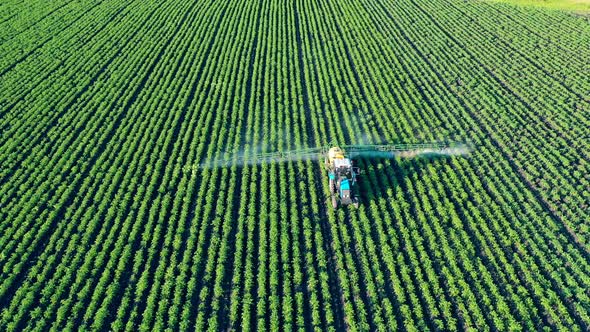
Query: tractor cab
(342,165)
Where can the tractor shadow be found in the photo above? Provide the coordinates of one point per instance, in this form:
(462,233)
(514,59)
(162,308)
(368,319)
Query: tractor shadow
(381,178)
(350,231)
(346,229)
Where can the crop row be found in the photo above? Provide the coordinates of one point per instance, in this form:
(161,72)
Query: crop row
(110,221)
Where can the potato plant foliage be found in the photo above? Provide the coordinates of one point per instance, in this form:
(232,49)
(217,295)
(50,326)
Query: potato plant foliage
(107,222)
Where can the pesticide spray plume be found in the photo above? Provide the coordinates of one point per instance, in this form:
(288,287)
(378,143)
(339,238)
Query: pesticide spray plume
(451,151)
(413,153)
(246,160)
(242,158)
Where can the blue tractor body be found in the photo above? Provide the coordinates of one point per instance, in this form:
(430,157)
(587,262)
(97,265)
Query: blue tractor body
(342,179)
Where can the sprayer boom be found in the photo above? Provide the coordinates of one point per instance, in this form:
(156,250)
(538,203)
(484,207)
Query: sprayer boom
(405,150)
(395,147)
(229,159)
(342,174)
(363,151)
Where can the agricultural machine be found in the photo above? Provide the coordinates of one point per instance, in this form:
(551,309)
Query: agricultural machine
(342,174)
(338,161)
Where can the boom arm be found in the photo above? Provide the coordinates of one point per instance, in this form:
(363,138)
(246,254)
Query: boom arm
(365,151)
(278,156)
(405,150)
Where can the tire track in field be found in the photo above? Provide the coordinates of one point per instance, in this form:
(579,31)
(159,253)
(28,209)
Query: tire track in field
(381,133)
(335,286)
(311,137)
(346,55)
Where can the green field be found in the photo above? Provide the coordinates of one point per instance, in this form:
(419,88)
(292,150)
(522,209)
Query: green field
(576,6)
(109,221)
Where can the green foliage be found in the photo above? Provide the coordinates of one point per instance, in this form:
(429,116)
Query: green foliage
(576,6)
(108,222)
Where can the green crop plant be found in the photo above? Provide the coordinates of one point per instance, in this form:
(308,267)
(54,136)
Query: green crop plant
(109,109)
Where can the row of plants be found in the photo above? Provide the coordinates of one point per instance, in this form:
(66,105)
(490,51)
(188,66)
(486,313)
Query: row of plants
(113,219)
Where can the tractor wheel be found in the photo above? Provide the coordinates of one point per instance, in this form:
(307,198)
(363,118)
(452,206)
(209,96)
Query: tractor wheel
(356,202)
(332,187)
(334,202)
